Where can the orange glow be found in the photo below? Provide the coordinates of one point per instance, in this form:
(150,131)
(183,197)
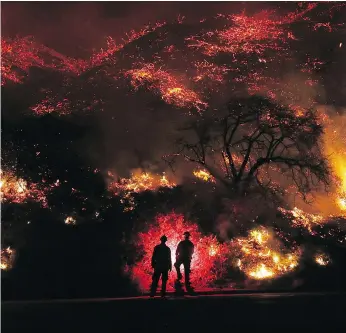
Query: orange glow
(336,149)
(335,152)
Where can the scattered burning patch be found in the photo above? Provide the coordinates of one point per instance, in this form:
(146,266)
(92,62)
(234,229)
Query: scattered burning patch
(207,262)
(138,182)
(322,259)
(7,258)
(18,190)
(171,90)
(301,219)
(70,220)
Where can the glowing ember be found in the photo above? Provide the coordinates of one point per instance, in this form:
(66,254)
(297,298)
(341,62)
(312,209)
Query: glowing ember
(7,258)
(139,182)
(260,255)
(322,259)
(204,265)
(210,71)
(70,220)
(66,101)
(204,175)
(51,104)
(166,85)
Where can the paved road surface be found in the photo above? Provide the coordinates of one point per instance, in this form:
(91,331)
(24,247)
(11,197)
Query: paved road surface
(276,312)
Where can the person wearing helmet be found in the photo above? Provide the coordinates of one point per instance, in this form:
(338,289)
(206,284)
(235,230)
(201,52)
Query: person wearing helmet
(184,256)
(161,262)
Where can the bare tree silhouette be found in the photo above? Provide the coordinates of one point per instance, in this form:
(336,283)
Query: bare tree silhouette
(254,142)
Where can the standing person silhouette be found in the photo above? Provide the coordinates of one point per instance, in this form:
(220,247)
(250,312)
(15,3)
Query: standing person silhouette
(161,262)
(183,255)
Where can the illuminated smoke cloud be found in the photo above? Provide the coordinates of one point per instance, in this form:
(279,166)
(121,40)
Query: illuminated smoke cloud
(335,151)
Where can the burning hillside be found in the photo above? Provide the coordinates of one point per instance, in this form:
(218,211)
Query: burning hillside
(246,85)
(249,42)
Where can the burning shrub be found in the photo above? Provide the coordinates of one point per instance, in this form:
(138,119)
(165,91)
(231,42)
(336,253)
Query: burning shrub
(260,255)
(207,262)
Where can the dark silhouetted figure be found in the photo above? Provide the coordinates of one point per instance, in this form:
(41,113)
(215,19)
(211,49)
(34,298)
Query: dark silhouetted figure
(162,263)
(183,256)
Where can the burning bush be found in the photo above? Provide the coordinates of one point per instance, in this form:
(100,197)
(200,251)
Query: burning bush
(207,262)
(261,256)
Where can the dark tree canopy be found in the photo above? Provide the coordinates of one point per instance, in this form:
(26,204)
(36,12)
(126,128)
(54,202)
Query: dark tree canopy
(254,142)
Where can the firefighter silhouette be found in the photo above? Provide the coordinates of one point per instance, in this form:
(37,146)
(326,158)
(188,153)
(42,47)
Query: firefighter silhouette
(183,257)
(161,262)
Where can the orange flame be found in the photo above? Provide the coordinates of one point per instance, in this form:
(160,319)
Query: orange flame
(138,182)
(204,175)
(261,257)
